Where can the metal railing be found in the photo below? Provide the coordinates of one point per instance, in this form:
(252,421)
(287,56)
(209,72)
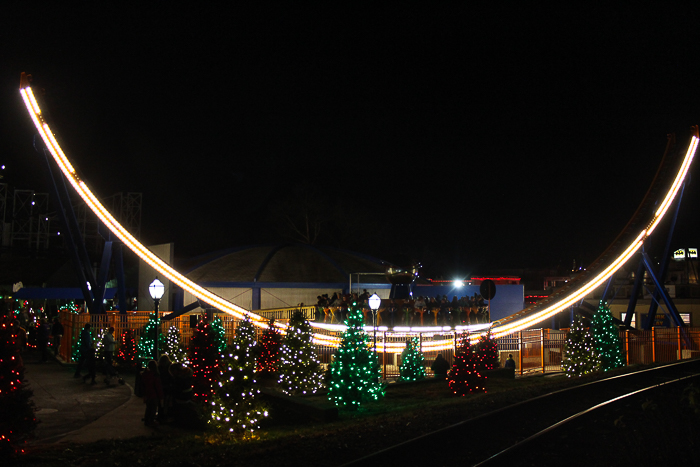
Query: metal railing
(534,350)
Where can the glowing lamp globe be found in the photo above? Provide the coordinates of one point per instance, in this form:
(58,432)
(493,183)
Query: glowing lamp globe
(156,289)
(374,302)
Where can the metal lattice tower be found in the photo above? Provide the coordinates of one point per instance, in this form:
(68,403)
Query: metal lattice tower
(4,230)
(22,203)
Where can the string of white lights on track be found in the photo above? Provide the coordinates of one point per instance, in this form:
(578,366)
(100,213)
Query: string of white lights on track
(322,339)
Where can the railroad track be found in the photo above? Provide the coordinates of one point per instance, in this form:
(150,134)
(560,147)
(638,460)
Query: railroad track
(526,430)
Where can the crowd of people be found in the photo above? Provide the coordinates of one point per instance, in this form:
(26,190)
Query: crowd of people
(422,311)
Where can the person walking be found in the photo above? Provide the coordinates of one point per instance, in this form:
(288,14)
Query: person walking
(56,334)
(108,351)
(152,392)
(42,339)
(85,348)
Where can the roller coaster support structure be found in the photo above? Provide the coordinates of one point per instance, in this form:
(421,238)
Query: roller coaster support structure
(646,263)
(93,288)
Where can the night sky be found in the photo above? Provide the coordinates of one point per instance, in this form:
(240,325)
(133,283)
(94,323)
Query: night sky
(469,140)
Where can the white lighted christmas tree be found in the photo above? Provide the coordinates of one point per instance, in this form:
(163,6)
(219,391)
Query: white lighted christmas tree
(580,356)
(300,369)
(236,408)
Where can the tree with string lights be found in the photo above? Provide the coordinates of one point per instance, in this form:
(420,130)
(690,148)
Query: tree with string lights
(412,367)
(300,369)
(486,352)
(580,356)
(355,371)
(465,376)
(127,353)
(173,347)
(236,409)
(204,361)
(17,422)
(146,344)
(269,347)
(217,326)
(606,337)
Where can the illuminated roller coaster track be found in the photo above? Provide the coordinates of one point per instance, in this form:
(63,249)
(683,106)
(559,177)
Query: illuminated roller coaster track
(513,323)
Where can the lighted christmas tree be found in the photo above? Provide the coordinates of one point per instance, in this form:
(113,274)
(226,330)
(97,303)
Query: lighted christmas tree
(173,347)
(236,408)
(465,376)
(70,307)
(412,368)
(486,352)
(146,344)
(220,334)
(17,422)
(126,355)
(75,351)
(269,350)
(204,361)
(300,368)
(355,371)
(580,356)
(606,337)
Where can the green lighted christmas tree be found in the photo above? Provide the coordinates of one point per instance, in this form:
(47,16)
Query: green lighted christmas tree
(75,351)
(146,344)
(269,350)
(300,368)
(412,368)
(486,352)
(173,347)
(465,376)
(580,357)
(126,355)
(17,422)
(204,361)
(606,337)
(219,334)
(236,408)
(355,371)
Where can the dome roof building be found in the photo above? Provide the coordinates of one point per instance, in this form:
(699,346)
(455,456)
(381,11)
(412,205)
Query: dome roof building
(285,275)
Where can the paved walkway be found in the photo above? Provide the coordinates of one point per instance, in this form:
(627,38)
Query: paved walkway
(71,411)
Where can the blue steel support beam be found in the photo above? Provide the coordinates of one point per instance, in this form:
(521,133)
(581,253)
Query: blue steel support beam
(666,258)
(121,281)
(98,293)
(664,295)
(74,242)
(638,280)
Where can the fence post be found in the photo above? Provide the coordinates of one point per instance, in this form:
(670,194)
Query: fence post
(680,351)
(384,357)
(542,349)
(653,344)
(627,346)
(520,352)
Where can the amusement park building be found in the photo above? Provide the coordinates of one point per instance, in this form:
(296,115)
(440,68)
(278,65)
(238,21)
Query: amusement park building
(279,276)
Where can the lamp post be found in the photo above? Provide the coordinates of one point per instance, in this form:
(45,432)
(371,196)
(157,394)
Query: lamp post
(374,302)
(156,289)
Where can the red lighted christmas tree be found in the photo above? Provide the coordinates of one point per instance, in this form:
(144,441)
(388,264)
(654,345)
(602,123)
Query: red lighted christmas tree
(486,352)
(465,376)
(204,361)
(269,350)
(17,420)
(126,356)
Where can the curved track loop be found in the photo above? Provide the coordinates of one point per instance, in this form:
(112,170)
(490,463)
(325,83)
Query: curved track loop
(608,263)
